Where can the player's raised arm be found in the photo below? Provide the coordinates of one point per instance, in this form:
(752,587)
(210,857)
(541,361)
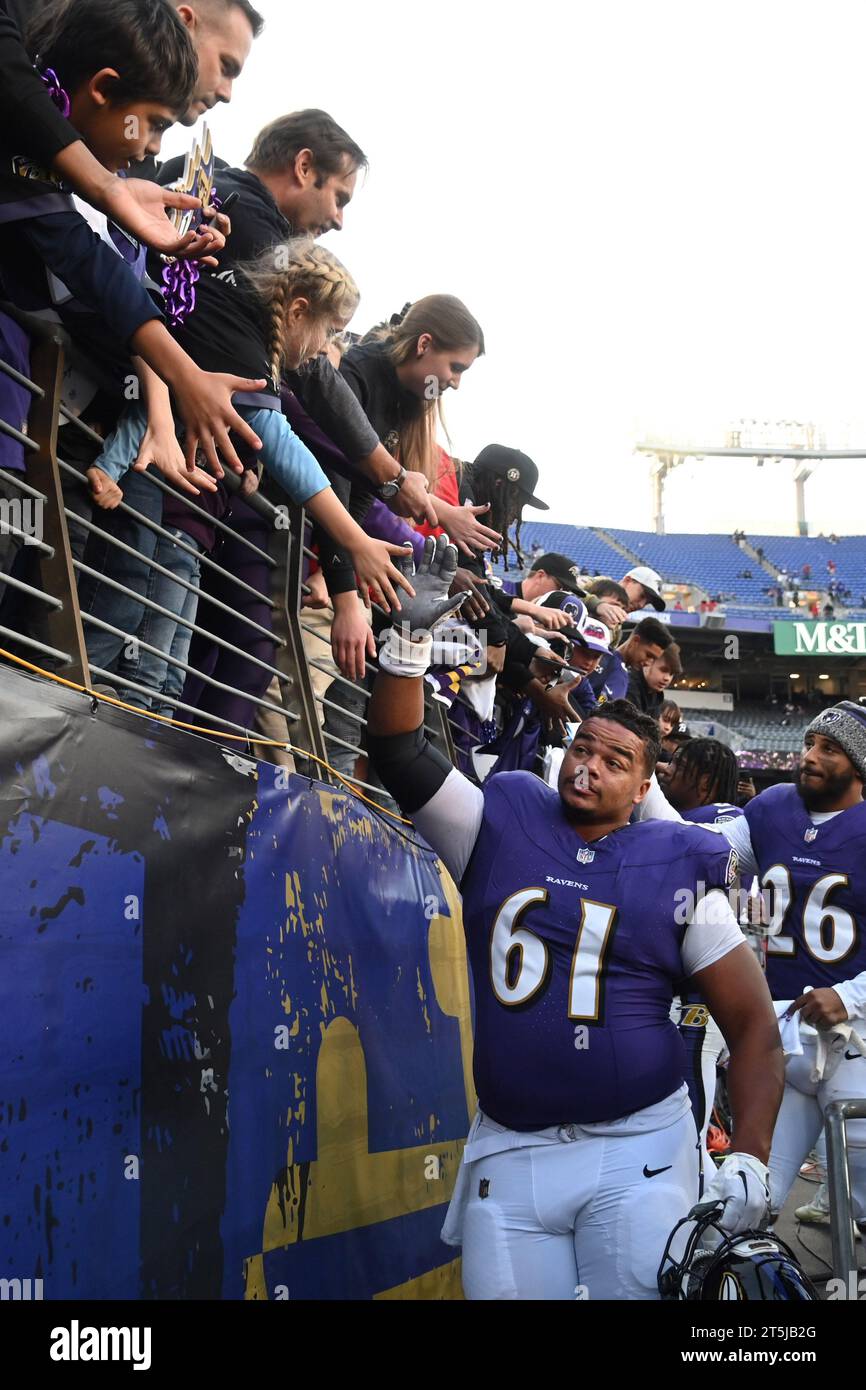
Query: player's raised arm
(733,985)
(445,806)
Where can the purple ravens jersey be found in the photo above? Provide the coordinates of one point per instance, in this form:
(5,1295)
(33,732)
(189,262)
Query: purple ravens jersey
(575,951)
(817,874)
(129,250)
(694,1016)
(583,699)
(610,681)
(717,813)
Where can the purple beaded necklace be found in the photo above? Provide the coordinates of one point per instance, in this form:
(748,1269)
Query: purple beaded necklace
(58,95)
(180,278)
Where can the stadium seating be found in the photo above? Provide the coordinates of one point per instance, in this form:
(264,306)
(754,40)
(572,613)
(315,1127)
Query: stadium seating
(792,552)
(579,543)
(753,725)
(766,610)
(713,563)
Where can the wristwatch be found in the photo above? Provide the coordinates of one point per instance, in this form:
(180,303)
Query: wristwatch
(388,491)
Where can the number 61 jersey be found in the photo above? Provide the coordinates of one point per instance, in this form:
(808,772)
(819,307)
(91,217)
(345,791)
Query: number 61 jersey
(575,951)
(817,876)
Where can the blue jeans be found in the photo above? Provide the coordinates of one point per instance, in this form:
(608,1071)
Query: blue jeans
(123,611)
(162,630)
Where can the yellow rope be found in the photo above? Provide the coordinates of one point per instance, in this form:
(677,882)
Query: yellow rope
(196,729)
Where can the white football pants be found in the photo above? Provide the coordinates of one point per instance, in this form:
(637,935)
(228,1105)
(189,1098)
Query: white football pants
(584,1212)
(801,1121)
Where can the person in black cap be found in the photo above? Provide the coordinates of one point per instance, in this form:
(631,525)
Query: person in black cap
(506,479)
(549,571)
(551,575)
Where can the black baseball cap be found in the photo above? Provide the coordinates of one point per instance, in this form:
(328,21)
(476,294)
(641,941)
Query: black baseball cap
(564,571)
(516,467)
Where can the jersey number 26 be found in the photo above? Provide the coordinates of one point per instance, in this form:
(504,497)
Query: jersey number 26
(829,932)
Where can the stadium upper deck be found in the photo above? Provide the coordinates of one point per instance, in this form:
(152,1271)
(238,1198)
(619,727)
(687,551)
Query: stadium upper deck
(718,565)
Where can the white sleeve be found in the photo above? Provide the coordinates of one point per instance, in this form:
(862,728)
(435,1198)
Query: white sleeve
(853,995)
(553,757)
(450,821)
(739,837)
(655,805)
(712,933)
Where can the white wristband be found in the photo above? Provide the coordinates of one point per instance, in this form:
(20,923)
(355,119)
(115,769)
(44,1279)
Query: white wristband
(760,1170)
(400,656)
(455,645)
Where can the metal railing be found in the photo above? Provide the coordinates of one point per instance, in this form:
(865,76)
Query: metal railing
(61,644)
(836,1117)
(65,642)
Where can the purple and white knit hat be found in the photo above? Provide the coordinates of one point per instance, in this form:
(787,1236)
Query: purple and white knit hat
(845,723)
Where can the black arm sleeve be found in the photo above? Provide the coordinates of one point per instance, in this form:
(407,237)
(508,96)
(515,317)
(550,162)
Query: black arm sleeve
(446,807)
(516,674)
(410,767)
(336,564)
(29,117)
(502,600)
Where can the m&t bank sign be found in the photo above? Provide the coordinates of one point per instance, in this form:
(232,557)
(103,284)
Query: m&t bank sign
(820,639)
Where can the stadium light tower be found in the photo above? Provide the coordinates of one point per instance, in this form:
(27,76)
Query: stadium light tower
(751,439)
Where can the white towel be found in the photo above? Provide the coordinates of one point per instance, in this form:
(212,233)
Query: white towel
(830,1043)
(789,1028)
(830,1046)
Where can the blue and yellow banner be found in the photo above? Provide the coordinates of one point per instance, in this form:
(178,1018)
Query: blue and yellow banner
(235,1048)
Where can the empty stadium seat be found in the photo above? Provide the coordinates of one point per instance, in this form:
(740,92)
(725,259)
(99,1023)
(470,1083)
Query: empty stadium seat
(792,552)
(714,563)
(753,725)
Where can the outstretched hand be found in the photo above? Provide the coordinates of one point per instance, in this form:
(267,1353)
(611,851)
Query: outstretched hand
(431,581)
(140,206)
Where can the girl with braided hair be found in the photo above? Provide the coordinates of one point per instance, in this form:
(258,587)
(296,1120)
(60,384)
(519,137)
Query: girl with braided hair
(308,296)
(298,296)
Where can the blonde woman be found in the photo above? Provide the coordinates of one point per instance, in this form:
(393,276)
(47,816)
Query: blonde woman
(293,299)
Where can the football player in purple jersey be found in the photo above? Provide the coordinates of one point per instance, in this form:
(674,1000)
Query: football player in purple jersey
(806,841)
(700,782)
(582,1155)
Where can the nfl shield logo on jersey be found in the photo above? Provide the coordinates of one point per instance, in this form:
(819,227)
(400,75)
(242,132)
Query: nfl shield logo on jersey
(585,856)
(811,834)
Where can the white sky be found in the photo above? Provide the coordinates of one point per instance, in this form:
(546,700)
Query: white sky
(657,212)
